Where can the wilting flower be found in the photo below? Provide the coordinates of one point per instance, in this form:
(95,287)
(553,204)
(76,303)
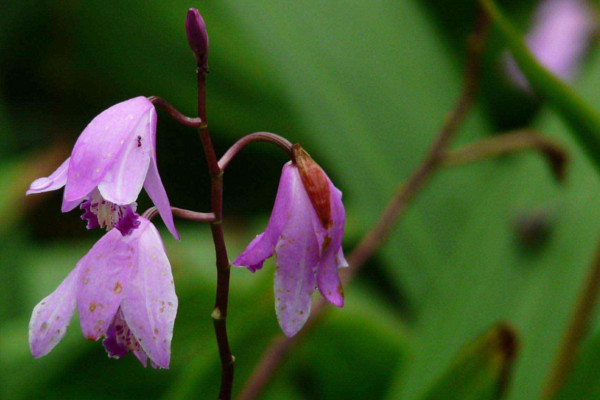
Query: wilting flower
(561,34)
(123,289)
(305,233)
(112,159)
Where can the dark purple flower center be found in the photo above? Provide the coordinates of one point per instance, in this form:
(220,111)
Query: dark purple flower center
(103,214)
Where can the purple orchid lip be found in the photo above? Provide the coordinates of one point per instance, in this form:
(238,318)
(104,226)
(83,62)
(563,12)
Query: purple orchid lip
(114,156)
(123,282)
(308,253)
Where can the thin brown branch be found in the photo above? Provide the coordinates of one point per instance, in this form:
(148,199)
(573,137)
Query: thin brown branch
(174,113)
(277,140)
(279,347)
(576,331)
(508,143)
(183,214)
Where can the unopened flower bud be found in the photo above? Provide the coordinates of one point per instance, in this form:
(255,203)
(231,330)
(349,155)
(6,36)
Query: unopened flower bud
(197,37)
(315,182)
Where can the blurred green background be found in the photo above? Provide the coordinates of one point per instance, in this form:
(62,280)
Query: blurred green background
(364,87)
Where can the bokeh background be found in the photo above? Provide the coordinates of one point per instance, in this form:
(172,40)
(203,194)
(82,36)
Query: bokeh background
(364,86)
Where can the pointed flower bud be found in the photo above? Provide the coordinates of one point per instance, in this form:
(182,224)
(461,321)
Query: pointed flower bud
(307,243)
(195,29)
(561,34)
(114,157)
(123,289)
(315,182)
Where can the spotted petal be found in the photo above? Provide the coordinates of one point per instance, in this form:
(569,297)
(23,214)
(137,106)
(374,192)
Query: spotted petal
(104,275)
(123,181)
(150,303)
(328,279)
(297,257)
(51,317)
(100,144)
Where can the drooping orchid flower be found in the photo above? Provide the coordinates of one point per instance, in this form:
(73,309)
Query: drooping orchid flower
(112,159)
(305,233)
(123,289)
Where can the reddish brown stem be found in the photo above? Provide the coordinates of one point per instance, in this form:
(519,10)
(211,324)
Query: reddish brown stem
(219,313)
(279,347)
(277,140)
(183,214)
(174,113)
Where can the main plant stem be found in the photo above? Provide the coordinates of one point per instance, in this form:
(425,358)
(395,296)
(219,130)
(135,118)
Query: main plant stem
(219,314)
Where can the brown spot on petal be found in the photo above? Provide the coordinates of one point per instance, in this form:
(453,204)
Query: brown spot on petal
(118,288)
(316,184)
(326,243)
(44,326)
(93,306)
(340,290)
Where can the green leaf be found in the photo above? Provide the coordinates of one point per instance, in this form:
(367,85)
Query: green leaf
(481,369)
(584,381)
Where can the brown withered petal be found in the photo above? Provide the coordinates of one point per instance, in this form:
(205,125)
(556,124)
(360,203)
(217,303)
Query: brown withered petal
(315,182)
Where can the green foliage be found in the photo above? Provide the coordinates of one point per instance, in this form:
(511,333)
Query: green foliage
(482,368)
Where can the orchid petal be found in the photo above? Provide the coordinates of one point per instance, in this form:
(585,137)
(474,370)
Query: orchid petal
(297,257)
(150,303)
(103,279)
(263,245)
(155,189)
(51,317)
(123,181)
(328,279)
(100,144)
(55,181)
(69,205)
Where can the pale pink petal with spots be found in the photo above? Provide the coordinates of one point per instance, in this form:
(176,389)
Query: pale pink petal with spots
(328,279)
(123,181)
(104,275)
(51,317)
(150,302)
(297,257)
(100,144)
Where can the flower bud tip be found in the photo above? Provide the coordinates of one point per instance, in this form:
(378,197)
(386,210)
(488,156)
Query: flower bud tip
(197,37)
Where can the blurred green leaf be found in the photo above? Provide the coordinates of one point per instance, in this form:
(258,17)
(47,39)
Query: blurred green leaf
(584,381)
(481,369)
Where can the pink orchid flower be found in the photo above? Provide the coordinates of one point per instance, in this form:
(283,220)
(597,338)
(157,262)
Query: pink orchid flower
(123,289)
(112,159)
(305,233)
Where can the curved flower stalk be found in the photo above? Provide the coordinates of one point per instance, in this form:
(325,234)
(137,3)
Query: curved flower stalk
(112,159)
(123,289)
(561,33)
(305,234)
